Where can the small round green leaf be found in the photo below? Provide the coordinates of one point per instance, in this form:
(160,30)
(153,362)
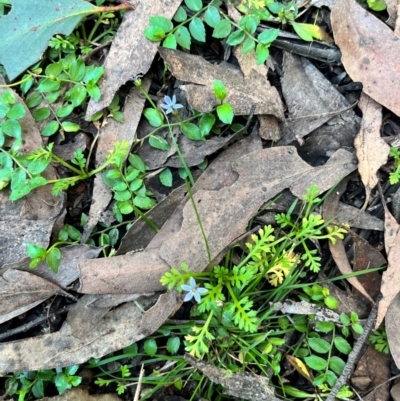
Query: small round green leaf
(77,70)
(125,207)
(194,5)
(182,37)
(222,29)
(35,251)
(324,327)
(336,364)
(249,23)
(150,347)
(342,345)
(197,30)
(319,345)
(34,100)
(144,202)
(54,69)
(166,177)
(206,123)
(170,42)
(17,111)
(173,344)
(316,362)
(225,113)
(12,128)
(70,127)
(136,184)
(154,33)
(53,259)
(248,45)
(65,110)
(302,31)
(268,36)
(154,117)
(161,22)
(158,142)
(211,16)
(180,15)
(41,114)
(331,302)
(137,162)
(219,89)
(50,128)
(235,38)
(191,131)
(48,85)
(262,53)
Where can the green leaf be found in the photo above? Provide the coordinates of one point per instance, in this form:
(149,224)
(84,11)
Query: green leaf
(331,302)
(94,91)
(324,327)
(357,328)
(70,127)
(166,177)
(26,85)
(235,38)
(377,5)
(342,345)
(38,389)
(61,382)
(211,16)
(197,30)
(53,259)
(154,33)
(319,345)
(48,85)
(17,111)
(303,31)
(4,109)
(122,195)
(133,173)
(316,362)
(182,37)
(161,22)
(34,100)
(76,95)
(294,392)
(54,69)
(194,5)
(173,344)
(191,131)
(8,97)
(154,117)
(206,123)
(180,15)
(336,364)
(125,207)
(249,23)
(50,128)
(43,113)
(222,29)
(248,45)
(65,110)
(71,370)
(93,74)
(35,251)
(170,42)
(136,184)
(51,97)
(262,53)
(219,89)
(137,162)
(158,142)
(37,166)
(73,233)
(150,347)
(77,69)
(12,128)
(331,378)
(144,202)
(268,36)
(225,113)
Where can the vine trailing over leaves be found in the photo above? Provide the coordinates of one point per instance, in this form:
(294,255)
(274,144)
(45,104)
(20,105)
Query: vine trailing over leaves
(245,32)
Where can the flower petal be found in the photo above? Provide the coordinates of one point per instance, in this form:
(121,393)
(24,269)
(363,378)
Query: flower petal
(202,290)
(192,283)
(186,287)
(165,106)
(188,296)
(177,106)
(197,297)
(167,100)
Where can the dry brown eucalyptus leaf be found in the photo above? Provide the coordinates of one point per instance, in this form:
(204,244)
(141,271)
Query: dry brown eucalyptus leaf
(372,151)
(370,52)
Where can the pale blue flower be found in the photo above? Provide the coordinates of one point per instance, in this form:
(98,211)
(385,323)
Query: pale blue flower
(170,104)
(193,291)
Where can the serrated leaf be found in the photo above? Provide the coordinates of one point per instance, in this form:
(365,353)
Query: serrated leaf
(235,38)
(161,22)
(29,26)
(173,344)
(166,177)
(170,42)
(222,29)
(197,30)
(194,5)
(182,37)
(225,113)
(268,36)
(50,128)
(150,347)
(211,16)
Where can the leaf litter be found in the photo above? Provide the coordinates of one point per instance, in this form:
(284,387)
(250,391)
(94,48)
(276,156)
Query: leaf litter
(120,302)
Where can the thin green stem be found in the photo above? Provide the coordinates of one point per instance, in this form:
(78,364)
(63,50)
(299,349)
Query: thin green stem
(16,162)
(68,166)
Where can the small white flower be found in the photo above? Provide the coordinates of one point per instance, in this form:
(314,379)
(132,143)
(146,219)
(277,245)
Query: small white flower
(193,291)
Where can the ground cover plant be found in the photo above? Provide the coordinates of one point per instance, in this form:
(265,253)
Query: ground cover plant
(202,283)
